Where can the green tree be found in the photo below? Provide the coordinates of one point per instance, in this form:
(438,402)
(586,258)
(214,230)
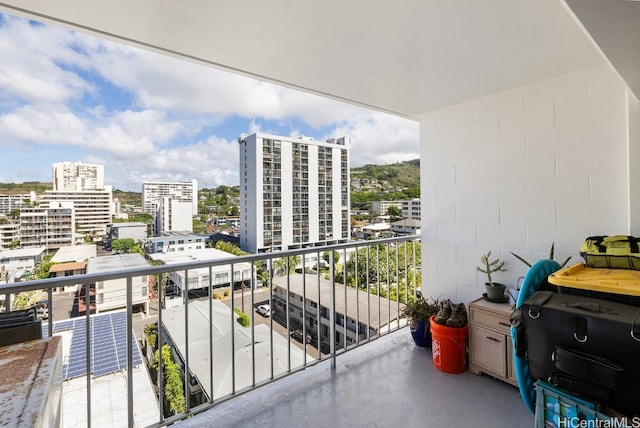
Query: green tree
(391,272)
(24,300)
(394,212)
(123,245)
(336,258)
(198,225)
(42,267)
(280,265)
(137,218)
(14,213)
(230,248)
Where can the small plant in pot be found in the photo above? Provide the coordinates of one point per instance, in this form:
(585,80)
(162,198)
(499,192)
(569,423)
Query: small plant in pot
(495,290)
(418,310)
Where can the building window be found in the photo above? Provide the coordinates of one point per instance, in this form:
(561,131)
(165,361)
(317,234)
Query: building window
(100,285)
(144,291)
(100,298)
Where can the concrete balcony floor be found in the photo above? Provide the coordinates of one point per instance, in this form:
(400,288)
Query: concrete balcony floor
(389,382)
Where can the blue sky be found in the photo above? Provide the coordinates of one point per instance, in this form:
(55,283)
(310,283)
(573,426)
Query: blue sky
(67,96)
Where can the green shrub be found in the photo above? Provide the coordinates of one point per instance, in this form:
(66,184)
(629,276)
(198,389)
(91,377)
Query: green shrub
(173,385)
(243,319)
(151,332)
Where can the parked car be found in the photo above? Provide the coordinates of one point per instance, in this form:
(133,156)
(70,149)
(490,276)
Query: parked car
(264,310)
(297,335)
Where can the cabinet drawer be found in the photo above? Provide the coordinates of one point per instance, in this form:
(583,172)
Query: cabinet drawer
(488,349)
(499,322)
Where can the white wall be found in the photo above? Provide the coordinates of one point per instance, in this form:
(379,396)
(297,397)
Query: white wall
(518,170)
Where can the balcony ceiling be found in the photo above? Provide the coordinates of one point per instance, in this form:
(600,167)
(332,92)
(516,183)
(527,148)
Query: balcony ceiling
(406,58)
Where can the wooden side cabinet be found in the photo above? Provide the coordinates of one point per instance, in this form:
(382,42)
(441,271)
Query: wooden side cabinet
(490,346)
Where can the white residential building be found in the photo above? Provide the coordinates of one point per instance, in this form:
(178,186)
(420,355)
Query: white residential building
(134,230)
(170,242)
(199,278)
(407,226)
(92,208)
(9,203)
(23,259)
(381,207)
(182,191)
(77,176)
(50,226)
(411,209)
(294,192)
(112,294)
(374,231)
(349,302)
(9,233)
(174,215)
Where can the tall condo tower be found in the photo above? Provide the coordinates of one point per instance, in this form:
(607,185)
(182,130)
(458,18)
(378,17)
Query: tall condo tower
(294,192)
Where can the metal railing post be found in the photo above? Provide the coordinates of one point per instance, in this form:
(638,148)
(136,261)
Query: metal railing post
(129,336)
(87,299)
(187,372)
(332,314)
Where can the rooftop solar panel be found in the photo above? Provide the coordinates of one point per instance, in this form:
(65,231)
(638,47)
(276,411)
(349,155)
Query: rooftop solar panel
(108,345)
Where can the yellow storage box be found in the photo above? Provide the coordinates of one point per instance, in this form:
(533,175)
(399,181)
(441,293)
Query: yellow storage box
(622,285)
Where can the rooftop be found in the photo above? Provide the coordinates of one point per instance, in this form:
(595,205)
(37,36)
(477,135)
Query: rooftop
(73,253)
(24,252)
(116,262)
(357,301)
(245,353)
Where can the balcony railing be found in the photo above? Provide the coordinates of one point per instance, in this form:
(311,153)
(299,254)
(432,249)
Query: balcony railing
(218,357)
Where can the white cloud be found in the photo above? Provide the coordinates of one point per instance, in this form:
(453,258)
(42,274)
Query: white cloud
(42,123)
(381,139)
(51,94)
(212,162)
(32,56)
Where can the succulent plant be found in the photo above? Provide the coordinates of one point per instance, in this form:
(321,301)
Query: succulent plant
(490,267)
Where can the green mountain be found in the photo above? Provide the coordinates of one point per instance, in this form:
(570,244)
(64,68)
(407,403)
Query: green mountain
(24,188)
(395,175)
(388,182)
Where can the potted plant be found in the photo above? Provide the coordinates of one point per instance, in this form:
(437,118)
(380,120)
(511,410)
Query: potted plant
(526,262)
(495,290)
(418,310)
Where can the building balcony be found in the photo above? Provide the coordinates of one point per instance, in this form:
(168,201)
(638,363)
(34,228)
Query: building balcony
(246,374)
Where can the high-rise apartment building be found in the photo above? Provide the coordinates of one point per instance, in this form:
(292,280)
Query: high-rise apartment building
(183,191)
(294,192)
(77,176)
(92,208)
(173,216)
(180,192)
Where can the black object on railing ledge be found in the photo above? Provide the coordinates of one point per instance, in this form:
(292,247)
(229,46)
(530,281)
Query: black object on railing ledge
(19,326)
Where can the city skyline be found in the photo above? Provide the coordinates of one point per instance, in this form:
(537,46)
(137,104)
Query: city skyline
(69,97)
